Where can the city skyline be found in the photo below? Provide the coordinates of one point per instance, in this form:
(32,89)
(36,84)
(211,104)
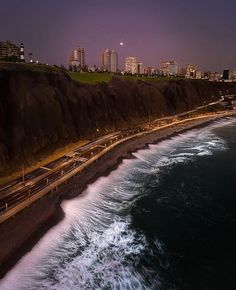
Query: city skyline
(153,31)
(109,62)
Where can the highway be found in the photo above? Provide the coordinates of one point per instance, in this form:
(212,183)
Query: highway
(17,192)
(11,194)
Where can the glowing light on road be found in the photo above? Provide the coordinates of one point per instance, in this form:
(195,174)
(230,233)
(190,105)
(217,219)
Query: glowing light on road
(121,43)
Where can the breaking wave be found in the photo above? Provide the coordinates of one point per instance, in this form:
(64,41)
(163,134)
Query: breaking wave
(95,246)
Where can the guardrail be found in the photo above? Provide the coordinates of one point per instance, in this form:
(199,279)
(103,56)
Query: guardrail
(62,179)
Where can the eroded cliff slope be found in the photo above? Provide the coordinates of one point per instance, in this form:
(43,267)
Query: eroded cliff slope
(41,110)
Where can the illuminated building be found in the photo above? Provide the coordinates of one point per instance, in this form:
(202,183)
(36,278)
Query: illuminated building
(11,52)
(198,74)
(131,65)
(190,71)
(169,68)
(109,60)
(77,58)
(234,75)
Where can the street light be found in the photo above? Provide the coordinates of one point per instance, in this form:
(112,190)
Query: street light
(23,173)
(67,153)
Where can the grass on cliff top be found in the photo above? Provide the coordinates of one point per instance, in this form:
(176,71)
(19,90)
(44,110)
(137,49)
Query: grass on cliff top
(94,78)
(90,78)
(12,66)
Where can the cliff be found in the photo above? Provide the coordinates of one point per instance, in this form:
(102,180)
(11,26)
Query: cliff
(41,109)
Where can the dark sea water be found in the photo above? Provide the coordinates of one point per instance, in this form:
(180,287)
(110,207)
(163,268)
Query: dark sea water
(163,220)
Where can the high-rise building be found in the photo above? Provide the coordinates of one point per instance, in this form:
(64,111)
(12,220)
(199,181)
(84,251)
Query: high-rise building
(169,68)
(190,71)
(215,76)
(77,58)
(226,75)
(109,60)
(198,74)
(11,52)
(234,75)
(140,68)
(131,65)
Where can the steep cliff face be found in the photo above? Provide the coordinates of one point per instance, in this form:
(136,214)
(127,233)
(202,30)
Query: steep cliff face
(41,110)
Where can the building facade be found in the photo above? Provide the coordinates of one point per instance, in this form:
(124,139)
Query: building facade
(198,74)
(140,69)
(207,75)
(150,71)
(233,75)
(131,65)
(11,52)
(226,75)
(215,77)
(77,58)
(190,71)
(109,60)
(169,68)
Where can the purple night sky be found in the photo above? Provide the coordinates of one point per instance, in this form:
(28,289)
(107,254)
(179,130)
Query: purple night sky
(201,32)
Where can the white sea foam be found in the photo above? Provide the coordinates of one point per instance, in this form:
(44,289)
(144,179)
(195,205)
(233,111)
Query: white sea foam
(94,246)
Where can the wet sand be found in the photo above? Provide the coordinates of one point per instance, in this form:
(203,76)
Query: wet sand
(21,233)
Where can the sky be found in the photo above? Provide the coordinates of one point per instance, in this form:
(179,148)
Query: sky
(200,32)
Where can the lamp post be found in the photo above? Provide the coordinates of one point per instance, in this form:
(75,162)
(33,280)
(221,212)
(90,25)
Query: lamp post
(23,173)
(66,153)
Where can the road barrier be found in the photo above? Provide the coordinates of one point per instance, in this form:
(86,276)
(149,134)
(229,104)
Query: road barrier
(65,177)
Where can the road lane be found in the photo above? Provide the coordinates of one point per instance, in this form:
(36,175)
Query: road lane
(61,167)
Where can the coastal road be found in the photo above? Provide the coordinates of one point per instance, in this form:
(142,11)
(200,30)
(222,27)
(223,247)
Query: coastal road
(16,192)
(44,171)
(42,178)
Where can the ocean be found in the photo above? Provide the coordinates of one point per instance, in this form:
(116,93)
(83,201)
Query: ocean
(164,219)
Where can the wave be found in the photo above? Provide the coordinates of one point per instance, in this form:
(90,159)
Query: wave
(95,246)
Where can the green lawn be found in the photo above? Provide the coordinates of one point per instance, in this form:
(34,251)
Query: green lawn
(90,78)
(93,78)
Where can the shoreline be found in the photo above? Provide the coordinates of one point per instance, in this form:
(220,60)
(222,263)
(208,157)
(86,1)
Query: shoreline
(21,233)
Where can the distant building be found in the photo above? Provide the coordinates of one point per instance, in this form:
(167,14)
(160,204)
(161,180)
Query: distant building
(169,68)
(140,68)
(190,71)
(110,60)
(225,75)
(131,65)
(216,77)
(198,74)
(234,75)
(77,58)
(150,71)
(207,75)
(182,71)
(11,52)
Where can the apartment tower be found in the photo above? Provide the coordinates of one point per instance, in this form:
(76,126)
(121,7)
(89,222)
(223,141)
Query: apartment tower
(78,57)
(109,60)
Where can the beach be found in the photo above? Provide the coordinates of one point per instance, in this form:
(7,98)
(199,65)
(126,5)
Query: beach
(21,233)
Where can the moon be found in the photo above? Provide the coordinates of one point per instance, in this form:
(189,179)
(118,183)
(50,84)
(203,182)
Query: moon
(121,43)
